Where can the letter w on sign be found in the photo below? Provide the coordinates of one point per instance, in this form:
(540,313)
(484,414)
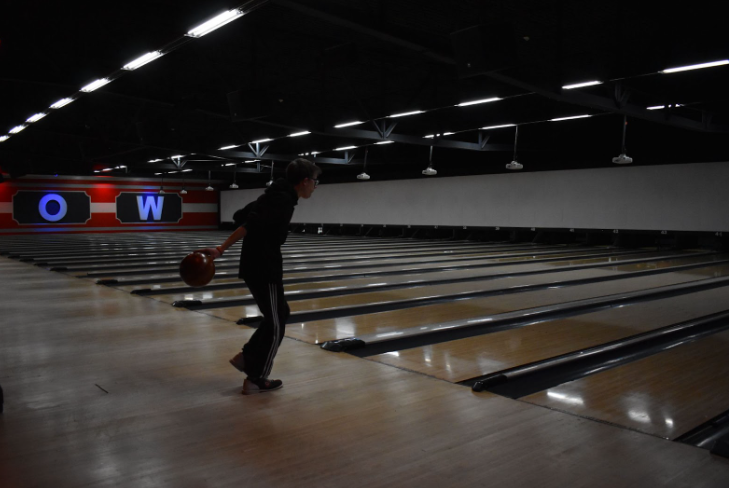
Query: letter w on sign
(152,203)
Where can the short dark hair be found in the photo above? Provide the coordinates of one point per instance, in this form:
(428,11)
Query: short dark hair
(299,169)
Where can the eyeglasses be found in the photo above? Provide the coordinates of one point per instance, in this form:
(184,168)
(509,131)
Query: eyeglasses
(316,182)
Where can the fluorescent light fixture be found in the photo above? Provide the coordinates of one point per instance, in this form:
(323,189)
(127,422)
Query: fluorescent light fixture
(696,66)
(62,103)
(95,85)
(476,102)
(155,160)
(405,114)
(121,166)
(215,23)
(430,136)
(259,141)
(142,60)
(348,124)
(384,142)
(659,107)
(345,148)
(252,161)
(186,170)
(108,169)
(36,117)
(497,126)
(569,118)
(170,172)
(302,133)
(17,128)
(582,85)
(96,171)
(229,164)
(4,138)
(226,147)
(177,156)
(157,174)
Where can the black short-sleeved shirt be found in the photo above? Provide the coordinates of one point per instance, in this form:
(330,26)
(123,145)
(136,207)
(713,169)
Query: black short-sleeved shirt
(267,225)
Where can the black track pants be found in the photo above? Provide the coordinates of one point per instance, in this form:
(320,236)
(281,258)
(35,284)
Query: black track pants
(262,347)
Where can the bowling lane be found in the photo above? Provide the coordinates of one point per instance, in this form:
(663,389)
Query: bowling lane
(292,258)
(390,265)
(472,357)
(392,322)
(666,394)
(408,278)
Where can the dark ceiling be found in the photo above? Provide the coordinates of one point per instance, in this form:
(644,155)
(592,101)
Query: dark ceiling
(306,65)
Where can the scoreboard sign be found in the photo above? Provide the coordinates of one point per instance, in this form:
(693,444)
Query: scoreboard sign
(43,207)
(139,208)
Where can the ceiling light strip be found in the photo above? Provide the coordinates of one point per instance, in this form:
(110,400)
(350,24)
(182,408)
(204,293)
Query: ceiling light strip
(696,66)
(581,85)
(215,23)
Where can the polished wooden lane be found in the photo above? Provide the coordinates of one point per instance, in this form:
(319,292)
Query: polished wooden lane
(472,357)
(666,394)
(320,331)
(134,254)
(407,272)
(68,250)
(173,415)
(463,308)
(376,266)
(232,260)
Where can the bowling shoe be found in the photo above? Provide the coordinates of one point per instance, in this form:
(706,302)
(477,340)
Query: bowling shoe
(262,385)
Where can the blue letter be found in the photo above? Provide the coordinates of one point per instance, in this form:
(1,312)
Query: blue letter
(61,211)
(150,203)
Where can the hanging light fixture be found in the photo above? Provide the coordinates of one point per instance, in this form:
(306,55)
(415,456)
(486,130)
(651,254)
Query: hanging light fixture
(363,175)
(270,182)
(430,171)
(233,185)
(161,187)
(515,165)
(623,158)
(209,187)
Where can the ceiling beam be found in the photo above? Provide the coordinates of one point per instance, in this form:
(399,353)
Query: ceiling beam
(374,33)
(231,153)
(608,105)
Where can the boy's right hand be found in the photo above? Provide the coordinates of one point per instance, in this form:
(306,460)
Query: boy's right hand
(213,252)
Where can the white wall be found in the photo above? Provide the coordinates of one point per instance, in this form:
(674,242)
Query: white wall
(691,197)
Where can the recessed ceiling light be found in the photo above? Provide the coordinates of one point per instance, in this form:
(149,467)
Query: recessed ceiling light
(348,124)
(95,85)
(497,126)
(476,102)
(62,103)
(582,85)
(405,114)
(142,60)
(569,118)
(214,23)
(696,66)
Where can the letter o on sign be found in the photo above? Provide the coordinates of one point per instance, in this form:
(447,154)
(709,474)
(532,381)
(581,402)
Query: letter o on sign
(61,211)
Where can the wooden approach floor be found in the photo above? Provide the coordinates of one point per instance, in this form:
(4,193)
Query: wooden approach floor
(105,389)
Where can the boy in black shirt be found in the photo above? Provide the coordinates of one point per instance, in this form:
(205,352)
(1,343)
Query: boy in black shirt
(263,226)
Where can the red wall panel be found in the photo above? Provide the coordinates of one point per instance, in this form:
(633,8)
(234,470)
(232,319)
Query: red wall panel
(199,208)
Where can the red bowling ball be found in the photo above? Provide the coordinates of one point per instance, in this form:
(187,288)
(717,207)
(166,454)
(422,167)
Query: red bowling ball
(197,269)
